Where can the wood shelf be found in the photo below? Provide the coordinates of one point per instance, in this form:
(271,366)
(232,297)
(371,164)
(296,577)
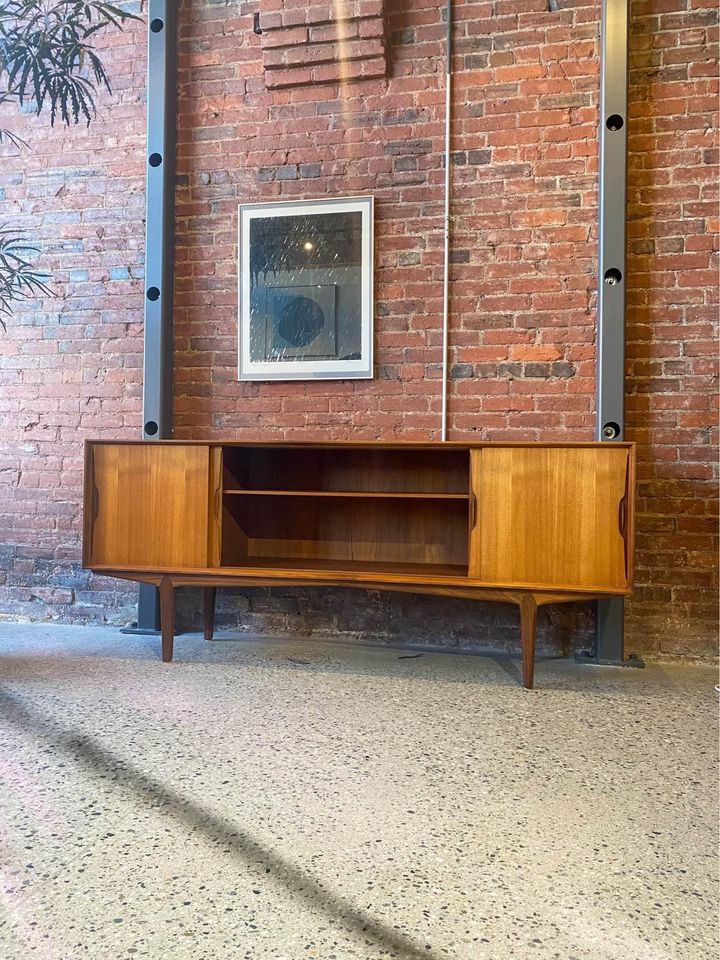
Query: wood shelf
(459,570)
(385,495)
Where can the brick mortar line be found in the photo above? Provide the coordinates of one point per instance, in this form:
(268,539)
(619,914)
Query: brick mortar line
(280,67)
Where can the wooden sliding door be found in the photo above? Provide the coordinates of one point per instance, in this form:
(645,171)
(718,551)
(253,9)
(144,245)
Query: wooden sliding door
(552,516)
(147,505)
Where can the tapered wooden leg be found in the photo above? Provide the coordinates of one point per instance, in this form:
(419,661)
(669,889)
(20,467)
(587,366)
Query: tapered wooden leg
(528,629)
(167,617)
(209,611)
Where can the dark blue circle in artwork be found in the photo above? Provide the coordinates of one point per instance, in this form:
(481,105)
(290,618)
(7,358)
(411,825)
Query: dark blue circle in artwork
(300,321)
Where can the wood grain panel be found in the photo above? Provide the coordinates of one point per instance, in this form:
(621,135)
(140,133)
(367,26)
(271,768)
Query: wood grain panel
(149,504)
(551,517)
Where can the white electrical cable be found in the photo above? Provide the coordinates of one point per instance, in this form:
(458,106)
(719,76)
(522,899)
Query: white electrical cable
(446,270)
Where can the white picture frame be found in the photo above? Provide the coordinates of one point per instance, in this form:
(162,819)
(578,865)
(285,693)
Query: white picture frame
(330,330)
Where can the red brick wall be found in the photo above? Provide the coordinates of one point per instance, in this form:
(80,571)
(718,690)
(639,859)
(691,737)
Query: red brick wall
(672,322)
(523,283)
(71,367)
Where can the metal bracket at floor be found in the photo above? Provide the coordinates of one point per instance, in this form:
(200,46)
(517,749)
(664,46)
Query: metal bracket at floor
(609,647)
(148,619)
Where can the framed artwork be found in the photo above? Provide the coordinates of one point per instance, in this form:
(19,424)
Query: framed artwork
(305,289)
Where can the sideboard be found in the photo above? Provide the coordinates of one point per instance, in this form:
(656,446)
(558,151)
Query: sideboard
(521,523)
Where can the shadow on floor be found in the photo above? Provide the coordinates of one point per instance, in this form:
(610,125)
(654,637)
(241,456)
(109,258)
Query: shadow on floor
(508,667)
(244,848)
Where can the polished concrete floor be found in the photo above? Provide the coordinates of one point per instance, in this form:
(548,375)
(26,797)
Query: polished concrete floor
(267,799)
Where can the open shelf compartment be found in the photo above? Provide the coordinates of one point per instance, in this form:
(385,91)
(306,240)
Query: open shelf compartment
(405,535)
(323,470)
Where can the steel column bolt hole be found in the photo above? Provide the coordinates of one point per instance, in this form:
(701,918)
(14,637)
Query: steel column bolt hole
(612,276)
(151,428)
(153,293)
(611,431)
(614,122)
(155,159)
(156,25)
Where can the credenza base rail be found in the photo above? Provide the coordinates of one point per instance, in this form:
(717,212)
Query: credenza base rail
(527,602)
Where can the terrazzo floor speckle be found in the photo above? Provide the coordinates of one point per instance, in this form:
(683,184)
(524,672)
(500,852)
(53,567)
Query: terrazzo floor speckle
(263,799)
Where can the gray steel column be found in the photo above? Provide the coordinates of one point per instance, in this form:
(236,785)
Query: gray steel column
(159,246)
(160,219)
(610,406)
(612,217)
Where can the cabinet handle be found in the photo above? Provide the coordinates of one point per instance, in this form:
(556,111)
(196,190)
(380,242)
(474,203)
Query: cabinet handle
(94,510)
(473,512)
(622,517)
(216,507)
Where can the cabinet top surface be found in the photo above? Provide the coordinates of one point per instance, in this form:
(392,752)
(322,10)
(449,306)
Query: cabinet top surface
(371,444)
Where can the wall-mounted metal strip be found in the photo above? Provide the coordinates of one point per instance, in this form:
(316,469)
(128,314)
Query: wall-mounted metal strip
(612,217)
(160,219)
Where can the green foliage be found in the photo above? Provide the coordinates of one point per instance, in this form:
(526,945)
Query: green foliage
(47,61)
(46,56)
(18,279)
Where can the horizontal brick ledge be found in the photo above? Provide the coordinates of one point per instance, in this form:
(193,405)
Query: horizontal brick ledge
(349,71)
(290,14)
(322,32)
(284,37)
(311,43)
(280,59)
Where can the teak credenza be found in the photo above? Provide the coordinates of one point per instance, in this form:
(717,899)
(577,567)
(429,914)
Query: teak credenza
(522,523)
